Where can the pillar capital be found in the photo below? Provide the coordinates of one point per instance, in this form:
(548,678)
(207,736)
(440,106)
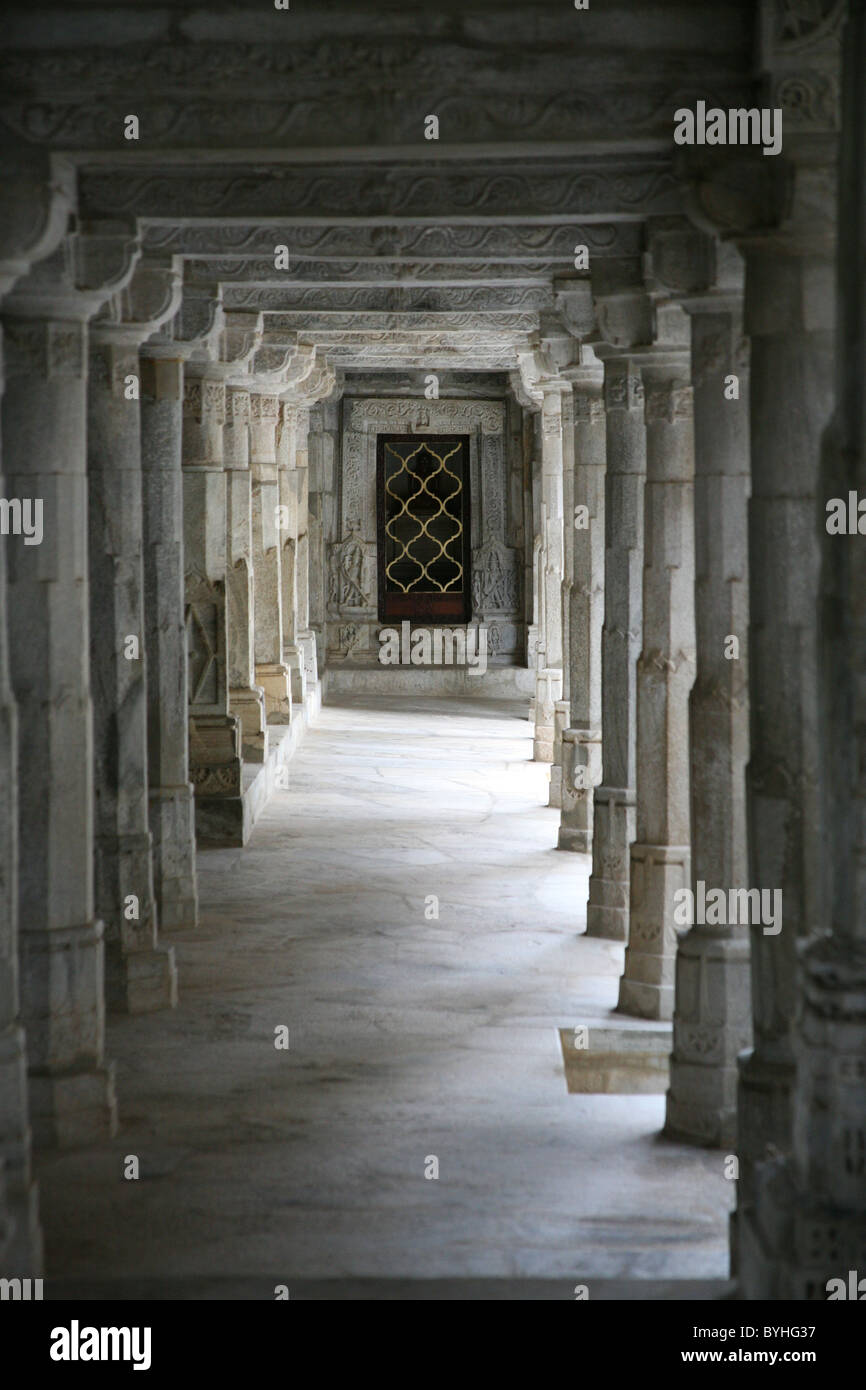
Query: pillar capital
(78,277)
(147,302)
(35,215)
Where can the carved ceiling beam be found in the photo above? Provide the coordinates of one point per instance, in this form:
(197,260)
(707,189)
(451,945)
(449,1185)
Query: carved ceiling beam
(533,190)
(508,243)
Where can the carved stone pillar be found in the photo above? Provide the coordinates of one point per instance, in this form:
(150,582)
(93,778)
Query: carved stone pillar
(305,636)
(20,1236)
(548,690)
(584,523)
(561,707)
(788,316)
(614,800)
(215,736)
(140,975)
(660,863)
(712,1017)
(287,473)
(214,733)
(172,809)
(810,1219)
(41,206)
(271,671)
(246,697)
(45,452)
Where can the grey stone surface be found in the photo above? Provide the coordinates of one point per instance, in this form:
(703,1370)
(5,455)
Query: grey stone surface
(408,1037)
(614,799)
(660,863)
(712,1018)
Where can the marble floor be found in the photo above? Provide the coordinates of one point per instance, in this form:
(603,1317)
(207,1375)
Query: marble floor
(412,1036)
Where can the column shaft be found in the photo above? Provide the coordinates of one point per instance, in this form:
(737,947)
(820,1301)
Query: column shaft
(660,863)
(172,810)
(788,316)
(548,688)
(61,941)
(140,976)
(246,697)
(712,1018)
(214,734)
(271,671)
(584,521)
(20,1234)
(614,800)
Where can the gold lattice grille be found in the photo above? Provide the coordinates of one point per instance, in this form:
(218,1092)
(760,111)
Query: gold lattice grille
(424,520)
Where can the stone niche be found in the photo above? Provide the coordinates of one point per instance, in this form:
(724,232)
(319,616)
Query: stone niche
(353,624)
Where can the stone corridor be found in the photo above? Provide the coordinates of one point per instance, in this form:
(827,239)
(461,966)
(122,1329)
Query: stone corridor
(408,1038)
(428,486)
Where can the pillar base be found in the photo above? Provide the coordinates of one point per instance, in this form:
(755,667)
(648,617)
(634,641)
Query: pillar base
(217,776)
(607,913)
(581,770)
(712,1026)
(23,1255)
(647,986)
(248,704)
(294,659)
(548,689)
(124,868)
(140,982)
(73,1108)
(307,644)
(560,724)
(273,677)
(172,825)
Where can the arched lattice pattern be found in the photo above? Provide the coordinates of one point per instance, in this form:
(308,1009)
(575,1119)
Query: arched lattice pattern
(434,548)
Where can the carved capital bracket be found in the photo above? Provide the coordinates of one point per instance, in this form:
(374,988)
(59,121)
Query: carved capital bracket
(77,278)
(39,196)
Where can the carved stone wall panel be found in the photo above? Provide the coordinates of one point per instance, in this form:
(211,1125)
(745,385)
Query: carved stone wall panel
(513,242)
(540,188)
(428,417)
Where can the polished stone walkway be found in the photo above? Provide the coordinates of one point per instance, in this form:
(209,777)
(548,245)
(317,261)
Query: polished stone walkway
(410,1037)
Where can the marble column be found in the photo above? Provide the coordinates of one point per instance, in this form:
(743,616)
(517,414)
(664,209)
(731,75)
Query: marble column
(789,318)
(811,1208)
(140,976)
(171,800)
(272,674)
(659,856)
(712,1015)
(246,696)
(561,718)
(287,474)
(20,1235)
(214,733)
(614,799)
(548,685)
(61,940)
(584,523)
(305,636)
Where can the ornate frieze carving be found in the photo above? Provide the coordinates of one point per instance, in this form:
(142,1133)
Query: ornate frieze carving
(202,398)
(667,402)
(803,23)
(433,417)
(433,243)
(396,300)
(588,410)
(542,187)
